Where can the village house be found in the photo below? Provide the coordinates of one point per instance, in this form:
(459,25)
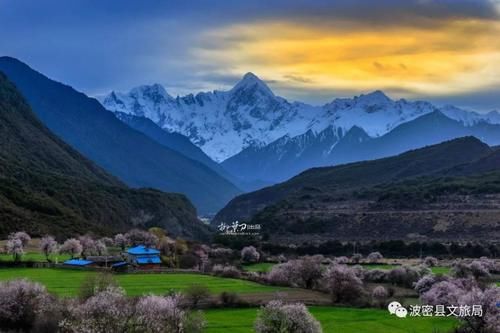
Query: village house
(144,257)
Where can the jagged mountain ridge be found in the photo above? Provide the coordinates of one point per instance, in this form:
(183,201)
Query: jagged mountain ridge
(250,116)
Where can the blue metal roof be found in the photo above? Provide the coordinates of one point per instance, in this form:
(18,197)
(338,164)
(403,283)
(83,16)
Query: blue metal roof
(78,262)
(120,264)
(142,250)
(148,260)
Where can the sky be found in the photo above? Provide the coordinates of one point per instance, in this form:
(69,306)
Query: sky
(445,51)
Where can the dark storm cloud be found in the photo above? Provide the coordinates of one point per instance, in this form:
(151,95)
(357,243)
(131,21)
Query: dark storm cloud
(98,46)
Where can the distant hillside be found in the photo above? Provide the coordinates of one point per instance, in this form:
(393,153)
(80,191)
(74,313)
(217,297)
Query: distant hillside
(48,187)
(286,157)
(348,177)
(174,141)
(445,191)
(122,151)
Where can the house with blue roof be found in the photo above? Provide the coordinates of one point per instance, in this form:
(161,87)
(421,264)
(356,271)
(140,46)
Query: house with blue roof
(144,257)
(78,263)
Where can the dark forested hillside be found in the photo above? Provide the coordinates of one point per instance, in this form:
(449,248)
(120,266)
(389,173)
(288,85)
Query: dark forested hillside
(445,191)
(122,151)
(346,178)
(48,187)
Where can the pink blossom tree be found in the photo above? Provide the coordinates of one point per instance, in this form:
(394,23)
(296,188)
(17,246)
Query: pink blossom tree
(343,284)
(374,257)
(379,296)
(121,241)
(21,303)
(72,246)
(250,254)
(164,314)
(16,243)
(140,237)
(431,261)
(48,246)
(107,311)
(290,318)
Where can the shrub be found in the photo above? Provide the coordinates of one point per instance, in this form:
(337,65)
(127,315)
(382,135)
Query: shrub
(375,257)
(290,318)
(356,258)
(96,283)
(226,271)
(197,293)
(230,299)
(343,284)
(250,254)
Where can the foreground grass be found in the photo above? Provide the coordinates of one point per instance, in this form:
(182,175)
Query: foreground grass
(333,320)
(67,282)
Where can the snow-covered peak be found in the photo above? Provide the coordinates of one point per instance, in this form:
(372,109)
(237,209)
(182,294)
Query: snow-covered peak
(223,123)
(376,97)
(156,92)
(250,83)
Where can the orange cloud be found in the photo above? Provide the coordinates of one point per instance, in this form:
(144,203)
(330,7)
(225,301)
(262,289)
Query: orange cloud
(452,57)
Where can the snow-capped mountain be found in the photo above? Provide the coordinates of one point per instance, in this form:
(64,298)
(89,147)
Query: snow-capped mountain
(224,123)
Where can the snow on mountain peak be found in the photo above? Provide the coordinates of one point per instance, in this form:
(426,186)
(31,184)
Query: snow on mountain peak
(249,115)
(251,81)
(376,97)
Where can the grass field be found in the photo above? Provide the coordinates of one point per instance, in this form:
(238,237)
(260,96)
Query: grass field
(333,320)
(66,282)
(261,267)
(266,267)
(435,270)
(36,256)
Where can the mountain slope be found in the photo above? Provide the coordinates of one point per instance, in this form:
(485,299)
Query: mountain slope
(448,191)
(348,177)
(260,137)
(47,187)
(287,157)
(175,141)
(130,155)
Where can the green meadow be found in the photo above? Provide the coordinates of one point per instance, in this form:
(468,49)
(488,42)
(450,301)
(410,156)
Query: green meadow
(67,282)
(333,320)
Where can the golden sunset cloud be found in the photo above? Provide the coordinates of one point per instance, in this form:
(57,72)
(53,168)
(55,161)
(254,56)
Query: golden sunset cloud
(445,57)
